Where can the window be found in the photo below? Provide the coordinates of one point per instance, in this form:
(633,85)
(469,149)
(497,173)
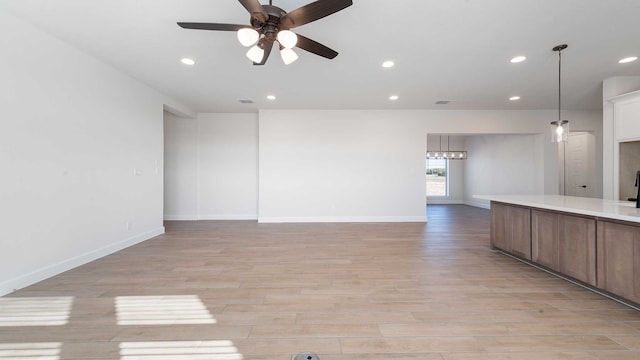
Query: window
(437,184)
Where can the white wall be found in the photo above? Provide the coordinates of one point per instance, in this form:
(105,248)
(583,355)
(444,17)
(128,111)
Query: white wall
(503,164)
(340,166)
(180,168)
(227,166)
(81,157)
(211,167)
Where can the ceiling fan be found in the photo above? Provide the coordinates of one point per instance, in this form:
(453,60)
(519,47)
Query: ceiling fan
(270,23)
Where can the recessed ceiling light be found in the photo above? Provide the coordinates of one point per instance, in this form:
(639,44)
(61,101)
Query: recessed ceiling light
(628,59)
(518,59)
(388,64)
(271,97)
(514,98)
(394,97)
(187,61)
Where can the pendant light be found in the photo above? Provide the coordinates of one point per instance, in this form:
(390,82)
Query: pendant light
(560,128)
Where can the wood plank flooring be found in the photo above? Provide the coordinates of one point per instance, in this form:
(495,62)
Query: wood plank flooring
(242,290)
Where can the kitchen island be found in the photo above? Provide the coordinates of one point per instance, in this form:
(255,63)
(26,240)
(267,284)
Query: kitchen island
(593,242)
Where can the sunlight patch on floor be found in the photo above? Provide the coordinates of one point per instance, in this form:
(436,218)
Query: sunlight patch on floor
(30,351)
(180,350)
(162,310)
(35,311)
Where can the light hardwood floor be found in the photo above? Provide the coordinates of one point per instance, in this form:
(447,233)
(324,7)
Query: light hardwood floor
(242,290)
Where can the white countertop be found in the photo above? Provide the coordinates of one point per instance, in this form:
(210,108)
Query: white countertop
(611,209)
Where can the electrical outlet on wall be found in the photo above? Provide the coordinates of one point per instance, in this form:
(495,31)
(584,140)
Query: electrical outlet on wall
(128,225)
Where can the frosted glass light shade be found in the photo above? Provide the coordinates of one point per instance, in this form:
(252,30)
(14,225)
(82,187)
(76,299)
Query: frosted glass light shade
(559,131)
(288,56)
(287,38)
(255,54)
(248,36)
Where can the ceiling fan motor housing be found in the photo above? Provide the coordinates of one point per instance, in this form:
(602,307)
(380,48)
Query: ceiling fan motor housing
(269,27)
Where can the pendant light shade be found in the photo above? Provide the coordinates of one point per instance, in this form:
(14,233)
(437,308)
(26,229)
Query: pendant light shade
(559,131)
(559,128)
(248,36)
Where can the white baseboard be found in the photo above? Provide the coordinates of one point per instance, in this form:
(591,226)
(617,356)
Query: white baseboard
(180,217)
(444,202)
(478,203)
(210,217)
(46,272)
(342,219)
(228,217)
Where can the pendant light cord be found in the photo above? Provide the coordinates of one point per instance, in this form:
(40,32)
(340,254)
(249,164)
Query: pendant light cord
(564,168)
(564,145)
(559,86)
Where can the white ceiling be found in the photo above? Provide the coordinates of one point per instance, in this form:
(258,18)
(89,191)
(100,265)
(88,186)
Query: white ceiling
(456,50)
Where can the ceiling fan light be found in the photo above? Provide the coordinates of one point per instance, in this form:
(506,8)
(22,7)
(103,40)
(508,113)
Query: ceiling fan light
(248,36)
(255,54)
(288,56)
(287,38)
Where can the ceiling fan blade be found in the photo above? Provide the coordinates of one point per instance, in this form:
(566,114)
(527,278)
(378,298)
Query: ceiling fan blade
(315,47)
(255,9)
(312,12)
(268,45)
(211,26)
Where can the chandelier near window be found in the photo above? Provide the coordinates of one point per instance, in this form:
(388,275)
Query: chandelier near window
(446,154)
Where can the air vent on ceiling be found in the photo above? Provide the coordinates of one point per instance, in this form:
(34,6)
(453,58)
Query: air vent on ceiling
(246,101)
(442,102)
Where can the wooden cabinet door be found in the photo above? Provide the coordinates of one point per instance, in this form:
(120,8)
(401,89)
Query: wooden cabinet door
(619,259)
(520,231)
(577,248)
(544,239)
(499,221)
(511,229)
